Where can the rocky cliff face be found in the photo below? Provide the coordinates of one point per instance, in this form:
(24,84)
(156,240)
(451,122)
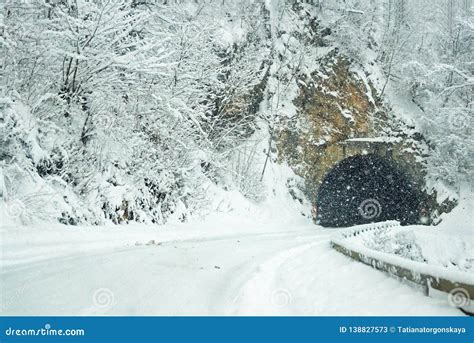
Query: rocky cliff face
(331,73)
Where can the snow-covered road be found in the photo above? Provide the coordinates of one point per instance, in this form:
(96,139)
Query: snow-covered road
(281,273)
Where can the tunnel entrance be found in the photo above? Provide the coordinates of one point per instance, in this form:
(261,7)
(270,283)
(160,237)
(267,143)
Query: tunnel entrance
(366,188)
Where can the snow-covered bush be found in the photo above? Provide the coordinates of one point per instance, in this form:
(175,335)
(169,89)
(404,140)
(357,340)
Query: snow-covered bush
(114,109)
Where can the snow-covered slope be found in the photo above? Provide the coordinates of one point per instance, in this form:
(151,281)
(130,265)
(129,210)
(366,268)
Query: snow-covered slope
(214,268)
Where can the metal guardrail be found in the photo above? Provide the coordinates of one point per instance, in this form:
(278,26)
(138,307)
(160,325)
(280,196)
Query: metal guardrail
(425,279)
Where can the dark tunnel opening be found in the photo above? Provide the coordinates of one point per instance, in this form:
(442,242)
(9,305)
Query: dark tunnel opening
(366,188)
